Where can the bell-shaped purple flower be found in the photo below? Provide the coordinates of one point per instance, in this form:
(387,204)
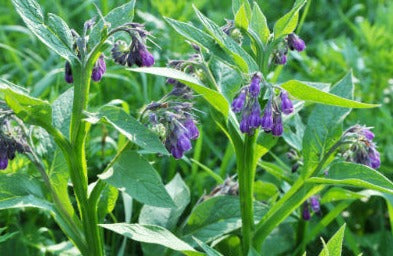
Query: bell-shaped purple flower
(255,119)
(295,43)
(255,87)
(245,124)
(280,59)
(368,133)
(145,58)
(374,158)
(99,69)
(306,212)
(314,203)
(68,73)
(286,103)
(239,102)
(183,142)
(277,129)
(267,119)
(192,130)
(176,152)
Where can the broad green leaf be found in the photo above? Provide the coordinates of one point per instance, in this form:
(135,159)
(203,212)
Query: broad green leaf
(59,176)
(288,23)
(200,38)
(134,175)
(62,110)
(213,97)
(264,190)
(334,246)
(30,110)
(149,234)
(54,33)
(338,194)
(107,201)
(294,138)
(357,175)
(217,216)
(324,127)
(116,17)
(241,19)
(131,128)
(209,251)
(258,24)
(236,5)
(168,217)
(302,91)
(239,55)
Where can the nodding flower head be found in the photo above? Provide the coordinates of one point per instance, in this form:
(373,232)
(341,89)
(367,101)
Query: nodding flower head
(255,119)
(68,73)
(267,119)
(359,146)
(280,58)
(239,102)
(295,43)
(10,144)
(143,58)
(277,128)
(99,69)
(245,124)
(255,87)
(192,131)
(286,103)
(314,203)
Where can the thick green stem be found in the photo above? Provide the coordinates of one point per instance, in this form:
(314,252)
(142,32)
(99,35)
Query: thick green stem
(246,172)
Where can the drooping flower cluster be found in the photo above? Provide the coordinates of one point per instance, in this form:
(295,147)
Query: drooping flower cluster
(313,203)
(247,104)
(99,69)
(291,42)
(136,52)
(360,147)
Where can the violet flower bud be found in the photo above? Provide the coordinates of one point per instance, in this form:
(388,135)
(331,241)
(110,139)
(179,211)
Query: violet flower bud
(183,142)
(306,212)
(295,43)
(171,81)
(244,124)
(239,102)
(374,158)
(68,73)
(277,129)
(99,69)
(286,103)
(145,58)
(314,203)
(255,119)
(192,130)
(368,133)
(267,119)
(176,152)
(280,59)
(254,87)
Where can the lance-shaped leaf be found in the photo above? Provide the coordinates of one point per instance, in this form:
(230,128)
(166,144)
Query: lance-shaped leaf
(287,24)
(129,127)
(357,175)
(214,98)
(116,17)
(134,175)
(302,91)
(151,234)
(30,110)
(334,246)
(239,55)
(241,19)
(55,33)
(258,24)
(62,110)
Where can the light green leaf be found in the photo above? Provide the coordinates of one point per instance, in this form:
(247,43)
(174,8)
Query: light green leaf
(62,110)
(305,92)
(338,194)
(168,217)
(236,5)
(217,216)
(107,201)
(241,19)
(334,246)
(213,97)
(324,127)
(130,127)
(357,175)
(149,234)
(258,24)
(239,55)
(200,38)
(55,34)
(209,251)
(287,24)
(30,110)
(134,175)
(116,17)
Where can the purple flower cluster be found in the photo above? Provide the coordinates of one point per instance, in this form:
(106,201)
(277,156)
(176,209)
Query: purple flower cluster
(361,147)
(313,203)
(99,69)
(293,43)
(179,140)
(248,105)
(137,53)
(8,149)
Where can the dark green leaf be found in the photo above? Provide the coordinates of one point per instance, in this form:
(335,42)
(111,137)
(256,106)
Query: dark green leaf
(134,175)
(305,92)
(55,34)
(209,251)
(62,110)
(213,97)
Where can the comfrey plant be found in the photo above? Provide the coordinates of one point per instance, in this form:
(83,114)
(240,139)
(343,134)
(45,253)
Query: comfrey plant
(234,70)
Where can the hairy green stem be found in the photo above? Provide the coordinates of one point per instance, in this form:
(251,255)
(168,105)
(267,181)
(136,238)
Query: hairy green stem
(246,172)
